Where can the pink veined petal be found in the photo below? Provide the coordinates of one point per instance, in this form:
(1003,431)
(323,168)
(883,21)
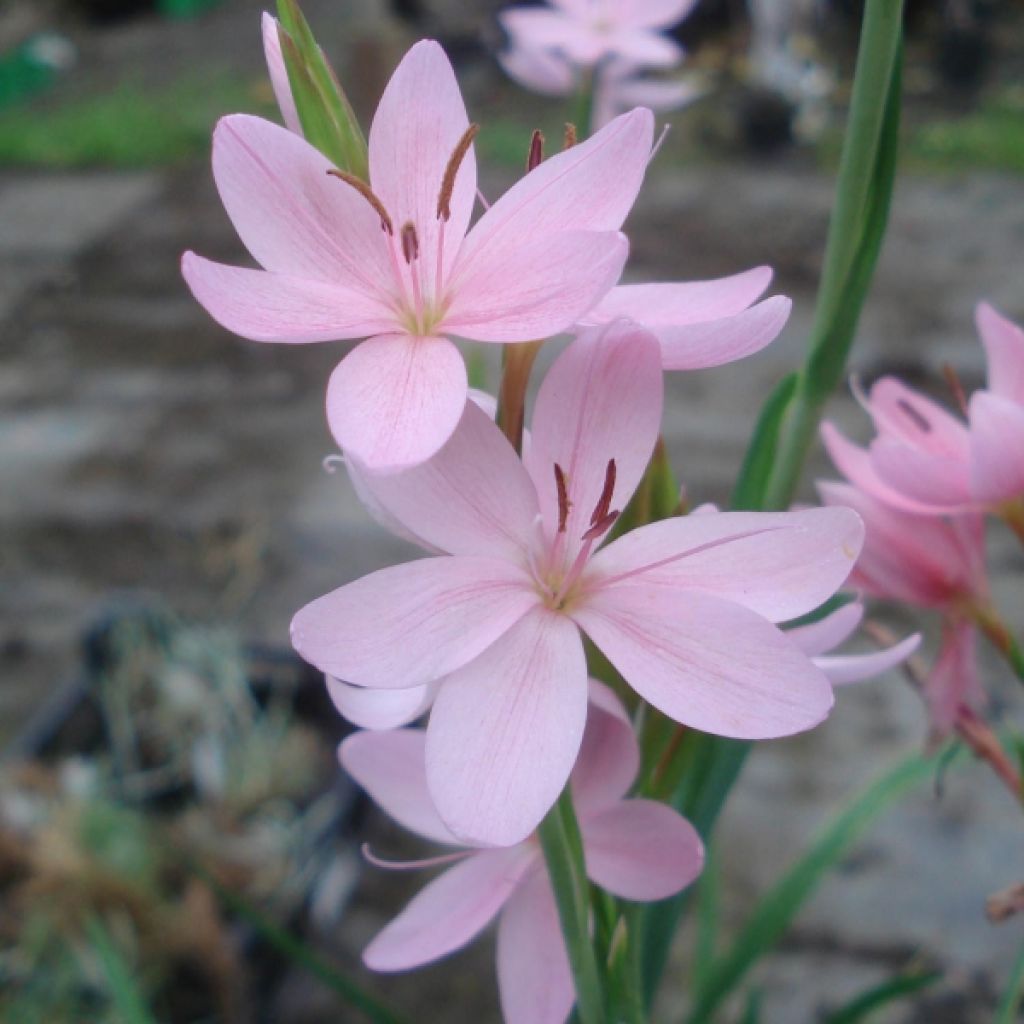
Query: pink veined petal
(677,304)
(646,49)
(536,290)
(450,911)
(828,632)
(953,681)
(705,662)
(545,29)
(291,214)
(472,498)
(658,13)
(279,74)
(641,850)
(1004,349)
(363,484)
(842,669)
(601,400)
(609,757)
(264,306)
(779,564)
(903,414)
(536,69)
(697,346)
(933,481)
(997,448)
(380,709)
(505,731)
(590,187)
(390,766)
(657,94)
(394,400)
(418,124)
(410,624)
(856,465)
(534,977)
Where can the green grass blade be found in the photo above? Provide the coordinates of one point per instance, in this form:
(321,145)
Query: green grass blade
(128,1000)
(757,465)
(1009,1008)
(879,996)
(779,907)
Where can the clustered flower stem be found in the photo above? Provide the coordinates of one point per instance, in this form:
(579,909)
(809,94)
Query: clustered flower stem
(516,364)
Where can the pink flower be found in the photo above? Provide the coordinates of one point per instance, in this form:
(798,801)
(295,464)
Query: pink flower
(930,562)
(817,639)
(684,608)
(587,32)
(279,74)
(926,461)
(637,849)
(395,261)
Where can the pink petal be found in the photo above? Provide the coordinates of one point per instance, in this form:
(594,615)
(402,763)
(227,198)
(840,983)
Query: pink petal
(590,187)
(291,214)
(279,74)
(538,70)
(418,124)
(506,729)
(641,850)
(828,632)
(779,564)
(609,758)
(997,448)
(380,709)
(646,49)
(657,94)
(682,303)
(391,767)
(901,413)
(544,29)
(853,668)
(536,289)
(1004,348)
(928,480)
(394,400)
(534,977)
(601,400)
(705,662)
(451,911)
(472,498)
(263,306)
(954,682)
(411,624)
(659,13)
(364,484)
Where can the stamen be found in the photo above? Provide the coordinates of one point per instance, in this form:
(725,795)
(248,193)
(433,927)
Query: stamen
(412,865)
(444,199)
(410,242)
(918,419)
(570,135)
(953,382)
(536,154)
(601,526)
(367,193)
(563,498)
(605,501)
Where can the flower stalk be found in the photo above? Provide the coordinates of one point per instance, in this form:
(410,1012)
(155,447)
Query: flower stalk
(516,365)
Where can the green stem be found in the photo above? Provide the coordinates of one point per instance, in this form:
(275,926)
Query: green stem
(991,623)
(1008,1008)
(856,229)
(563,852)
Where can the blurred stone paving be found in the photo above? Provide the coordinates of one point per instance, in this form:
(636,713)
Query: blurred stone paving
(142,448)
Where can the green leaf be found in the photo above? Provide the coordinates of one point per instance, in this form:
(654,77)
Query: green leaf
(327,118)
(128,1000)
(879,996)
(708,912)
(1010,1005)
(760,457)
(780,905)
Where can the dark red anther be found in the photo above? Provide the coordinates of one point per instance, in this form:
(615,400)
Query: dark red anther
(367,193)
(913,414)
(444,198)
(410,242)
(604,503)
(603,524)
(563,498)
(536,154)
(570,135)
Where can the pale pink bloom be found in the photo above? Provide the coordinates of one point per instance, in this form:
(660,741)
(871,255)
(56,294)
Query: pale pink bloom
(620,86)
(931,562)
(400,265)
(545,71)
(925,460)
(700,324)
(590,31)
(279,74)
(636,849)
(818,639)
(684,608)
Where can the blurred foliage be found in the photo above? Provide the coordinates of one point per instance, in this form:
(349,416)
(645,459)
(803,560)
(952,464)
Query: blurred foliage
(129,127)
